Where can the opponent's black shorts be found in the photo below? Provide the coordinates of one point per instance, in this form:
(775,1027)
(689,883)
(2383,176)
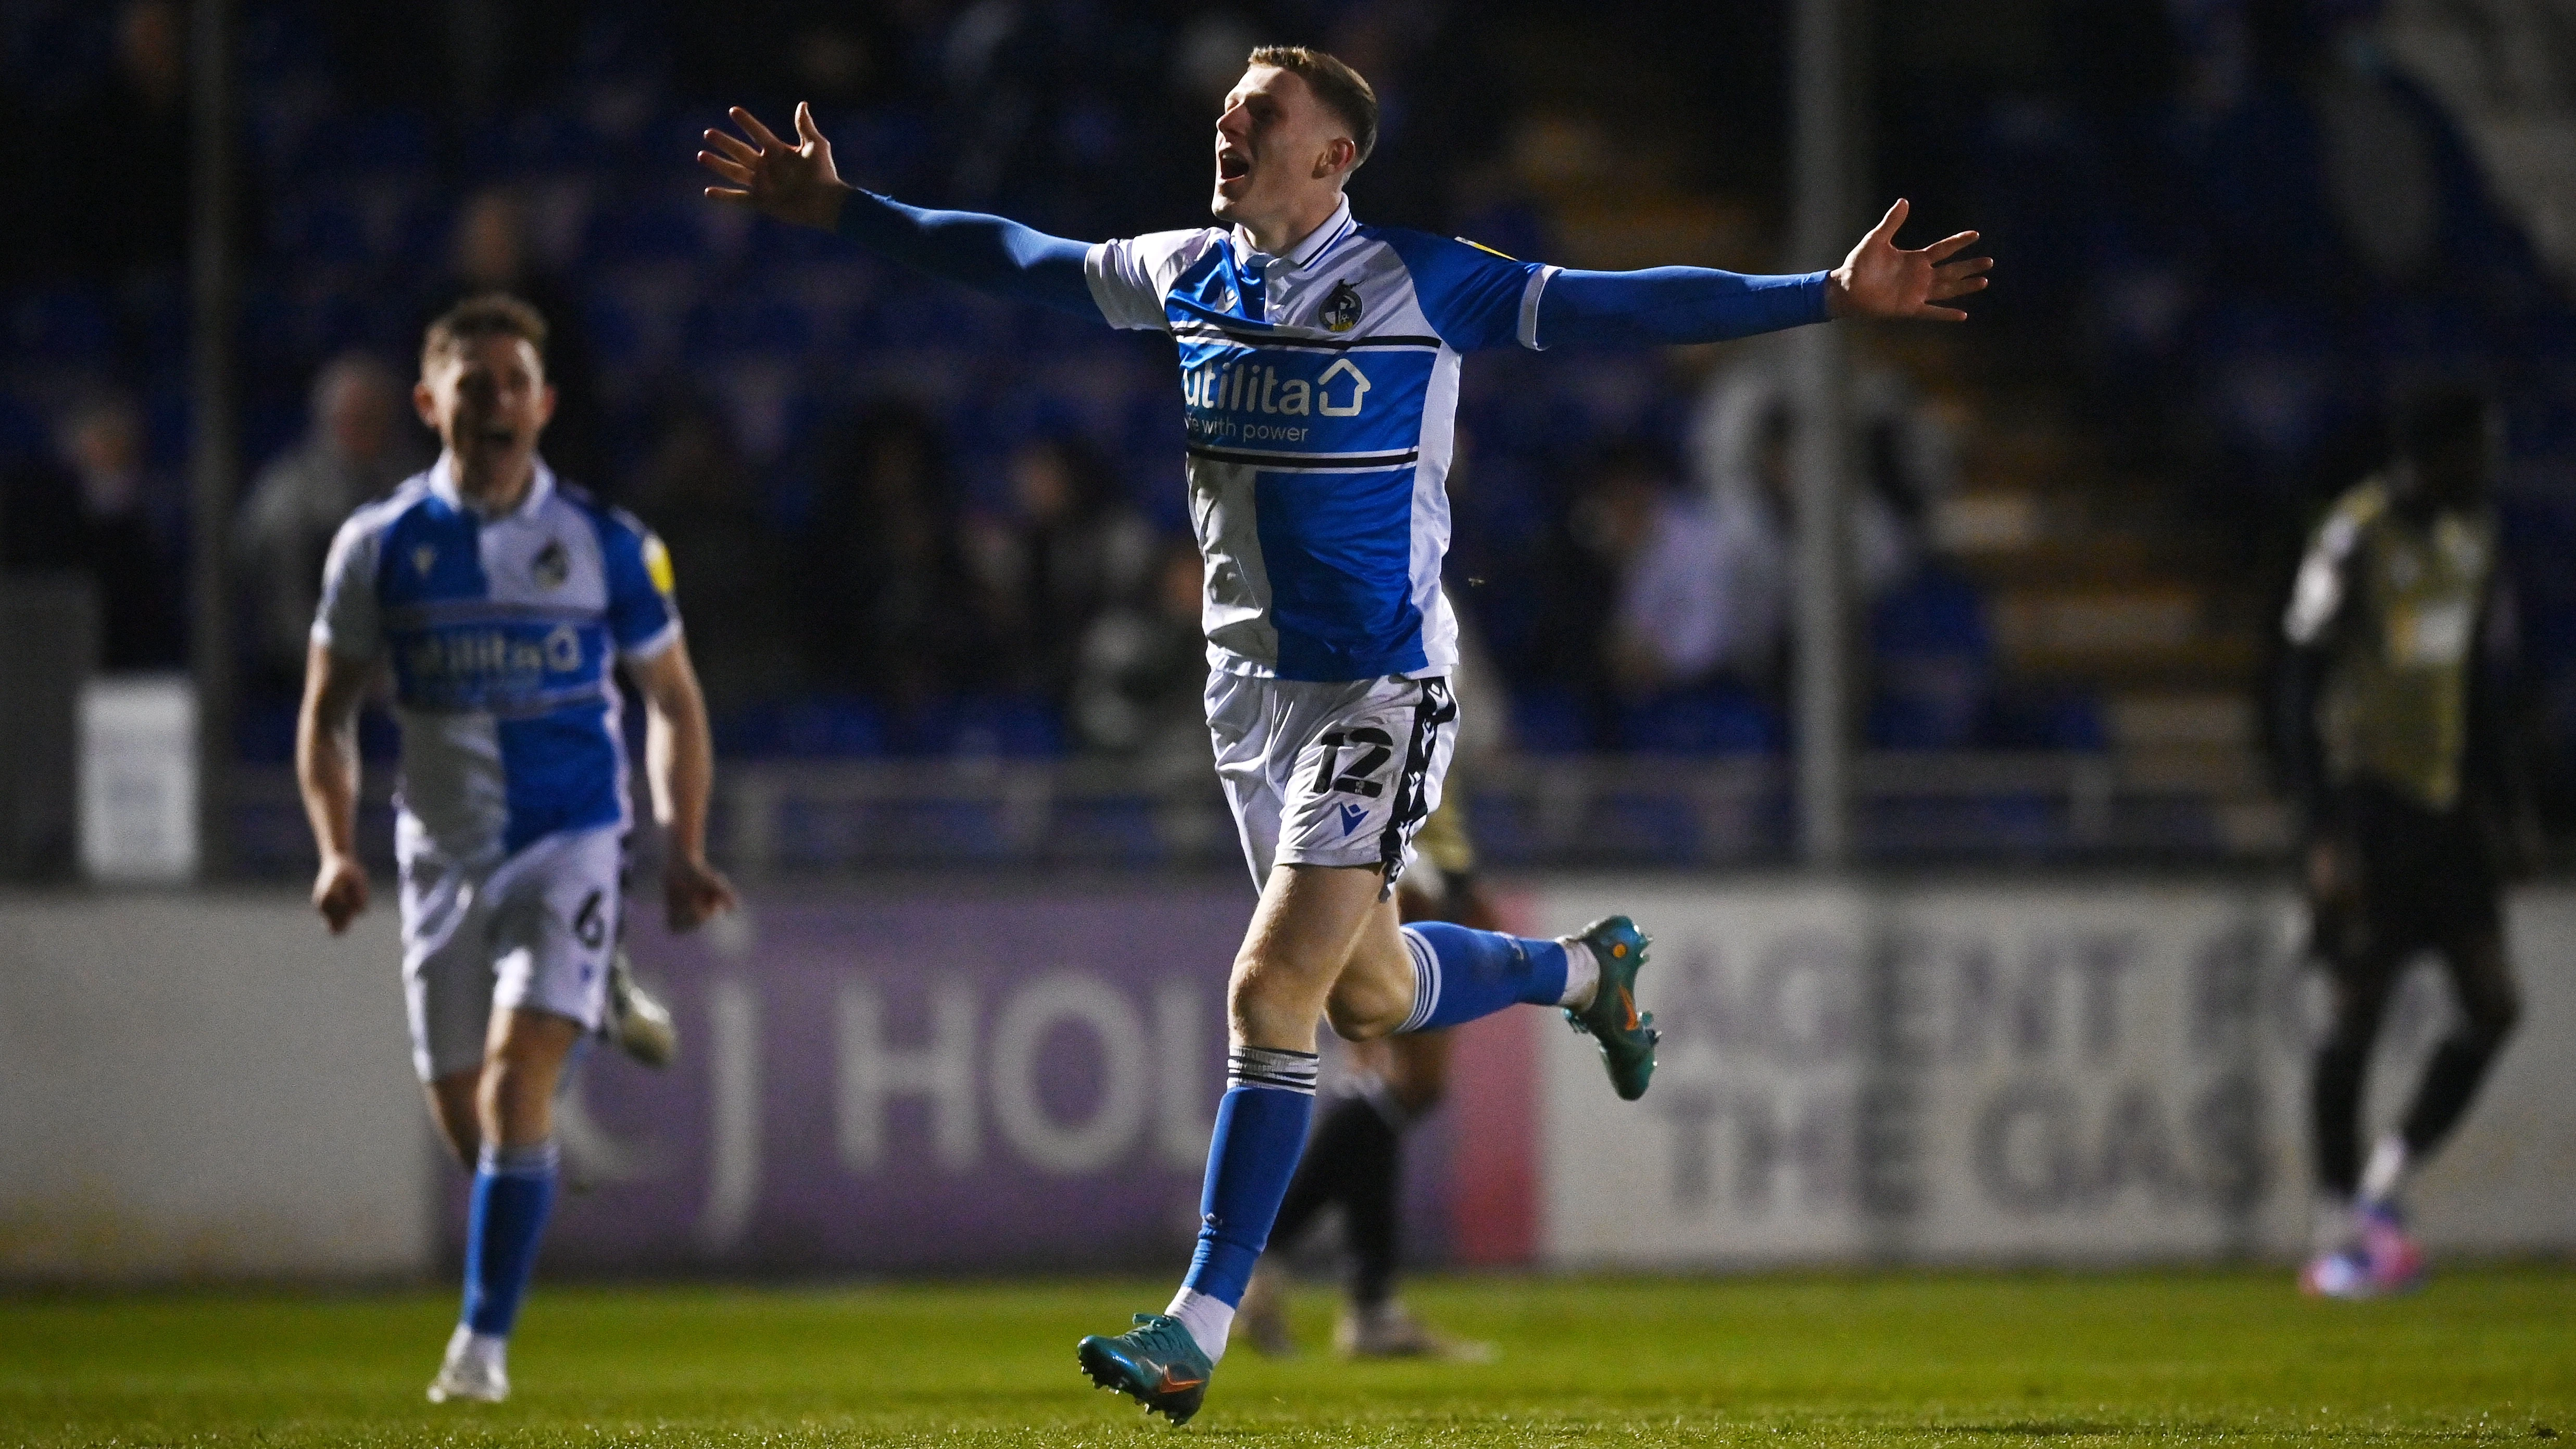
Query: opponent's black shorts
(2427,879)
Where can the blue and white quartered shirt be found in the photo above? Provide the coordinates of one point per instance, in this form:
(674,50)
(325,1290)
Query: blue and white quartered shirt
(501,634)
(1321,391)
(1321,388)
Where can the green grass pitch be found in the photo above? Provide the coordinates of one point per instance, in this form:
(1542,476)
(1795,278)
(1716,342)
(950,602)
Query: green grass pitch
(2485,1355)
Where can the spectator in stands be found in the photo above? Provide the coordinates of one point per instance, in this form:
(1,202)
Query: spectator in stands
(491,253)
(1071,548)
(122,167)
(889,606)
(111,533)
(698,493)
(1742,442)
(360,445)
(1692,597)
(1139,692)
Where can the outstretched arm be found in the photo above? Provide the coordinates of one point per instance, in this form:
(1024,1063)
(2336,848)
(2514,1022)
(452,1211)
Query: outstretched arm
(1671,305)
(797,183)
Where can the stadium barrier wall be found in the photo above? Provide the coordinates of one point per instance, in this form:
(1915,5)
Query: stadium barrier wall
(2073,1075)
(197,1086)
(943,1080)
(955,1079)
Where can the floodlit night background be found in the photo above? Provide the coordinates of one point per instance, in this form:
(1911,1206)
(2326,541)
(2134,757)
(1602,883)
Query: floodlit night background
(1978,931)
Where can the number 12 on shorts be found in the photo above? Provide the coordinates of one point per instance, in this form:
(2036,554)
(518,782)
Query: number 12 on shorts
(1376,747)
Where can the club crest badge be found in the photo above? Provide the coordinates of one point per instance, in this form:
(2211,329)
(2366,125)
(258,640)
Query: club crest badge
(424,558)
(1341,308)
(551,566)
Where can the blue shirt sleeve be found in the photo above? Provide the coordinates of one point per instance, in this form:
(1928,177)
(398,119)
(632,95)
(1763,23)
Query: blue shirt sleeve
(1672,305)
(1474,298)
(643,616)
(987,253)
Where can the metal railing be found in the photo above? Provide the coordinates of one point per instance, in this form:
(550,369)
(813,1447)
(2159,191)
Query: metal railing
(792,818)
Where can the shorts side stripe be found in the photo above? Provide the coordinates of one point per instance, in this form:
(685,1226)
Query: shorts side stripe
(1434,709)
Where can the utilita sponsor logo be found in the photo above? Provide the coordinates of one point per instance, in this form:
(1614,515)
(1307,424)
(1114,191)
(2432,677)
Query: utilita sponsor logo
(1253,387)
(492,654)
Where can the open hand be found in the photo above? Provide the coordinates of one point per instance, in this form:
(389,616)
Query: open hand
(693,891)
(340,891)
(1878,280)
(794,182)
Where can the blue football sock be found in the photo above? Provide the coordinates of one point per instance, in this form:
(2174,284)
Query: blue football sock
(1260,1133)
(1460,975)
(514,1189)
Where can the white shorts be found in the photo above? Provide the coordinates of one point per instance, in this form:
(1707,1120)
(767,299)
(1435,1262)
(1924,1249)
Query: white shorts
(535,932)
(1330,774)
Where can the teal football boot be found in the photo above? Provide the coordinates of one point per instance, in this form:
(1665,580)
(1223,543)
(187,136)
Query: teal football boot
(1626,1037)
(1156,1363)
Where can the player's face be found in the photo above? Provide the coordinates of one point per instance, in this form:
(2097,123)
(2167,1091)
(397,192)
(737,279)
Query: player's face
(487,401)
(1275,143)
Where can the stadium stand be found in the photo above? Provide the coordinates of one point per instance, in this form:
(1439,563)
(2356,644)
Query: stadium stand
(2146,415)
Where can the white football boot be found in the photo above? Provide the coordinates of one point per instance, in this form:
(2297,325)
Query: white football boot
(1386,1330)
(637,1020)
(476,1369)
(1261,1319)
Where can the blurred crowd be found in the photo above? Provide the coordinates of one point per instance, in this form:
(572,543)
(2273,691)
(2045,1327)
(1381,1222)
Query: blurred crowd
(908,519)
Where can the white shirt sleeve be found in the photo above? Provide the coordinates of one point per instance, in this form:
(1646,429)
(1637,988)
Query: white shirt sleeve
(349,622)
(2317,598)
(1527,333)
(1129,278)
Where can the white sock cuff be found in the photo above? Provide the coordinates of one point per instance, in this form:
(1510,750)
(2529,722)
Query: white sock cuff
(1582,973)
(538,1159)
(1274,1067)
(1209,1320)
(1426,979)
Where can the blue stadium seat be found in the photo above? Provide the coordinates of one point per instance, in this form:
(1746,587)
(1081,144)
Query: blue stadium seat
(750,321)
(1934,613)
(1906,722)
(379,738)
(648,229)
(1645,828)
(1016,727)
(375,142)
(322,227)
(552,139)
(1551,722)
(2046,719)
(23,434)
(1932,655)
(1711,719)
(265,726)
(832,729)
(62,326)
(938,830)
(823,728)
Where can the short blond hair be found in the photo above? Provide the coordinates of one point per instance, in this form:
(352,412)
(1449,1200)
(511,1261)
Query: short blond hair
(493,314)
(1343,91)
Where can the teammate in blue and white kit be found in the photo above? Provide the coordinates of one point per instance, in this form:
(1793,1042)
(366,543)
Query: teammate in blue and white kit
(1319,372)
(500,600)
